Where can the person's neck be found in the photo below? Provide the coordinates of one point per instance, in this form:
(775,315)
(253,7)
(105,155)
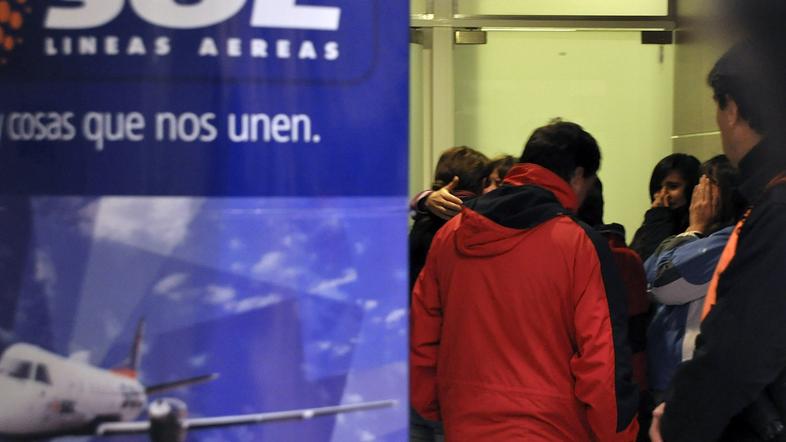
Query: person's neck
(743,146)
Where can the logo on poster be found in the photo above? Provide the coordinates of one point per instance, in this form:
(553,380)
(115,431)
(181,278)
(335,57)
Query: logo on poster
(174,15)
(171,14)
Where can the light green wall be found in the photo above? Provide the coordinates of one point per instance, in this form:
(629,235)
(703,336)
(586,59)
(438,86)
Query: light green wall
(418,7)
(620,90)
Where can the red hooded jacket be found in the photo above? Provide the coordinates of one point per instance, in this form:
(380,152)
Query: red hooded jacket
(519,322)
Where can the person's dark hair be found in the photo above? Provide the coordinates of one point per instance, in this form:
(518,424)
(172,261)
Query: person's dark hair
(591,210)
(686,165)
(464,162)
(732,205)
(501,164)
(561,147)
(733,77)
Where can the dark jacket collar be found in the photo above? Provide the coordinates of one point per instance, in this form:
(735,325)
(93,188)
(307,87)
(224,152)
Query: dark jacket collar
(530,196)
(465,194)
(763,163)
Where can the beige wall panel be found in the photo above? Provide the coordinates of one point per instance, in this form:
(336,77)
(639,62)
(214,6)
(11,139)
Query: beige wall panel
(694,108)
(703,148)
(699,43)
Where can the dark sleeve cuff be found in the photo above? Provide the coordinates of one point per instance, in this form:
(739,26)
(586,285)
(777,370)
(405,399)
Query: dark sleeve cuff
(420,206)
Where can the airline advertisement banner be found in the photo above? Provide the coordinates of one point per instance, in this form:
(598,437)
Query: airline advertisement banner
(203,220)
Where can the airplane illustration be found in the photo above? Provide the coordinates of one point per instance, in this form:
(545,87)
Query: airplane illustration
(43,394)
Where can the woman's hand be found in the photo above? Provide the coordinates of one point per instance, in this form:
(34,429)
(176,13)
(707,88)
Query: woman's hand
(661,199)
(657,415)
(704,206)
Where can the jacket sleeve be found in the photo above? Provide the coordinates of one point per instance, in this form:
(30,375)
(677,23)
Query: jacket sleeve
(659,224)
(420,237)
(742,345)
(417,203)
(602,362)
(682,267)
(638,304)
(666,279)
(664,252)
(425,333)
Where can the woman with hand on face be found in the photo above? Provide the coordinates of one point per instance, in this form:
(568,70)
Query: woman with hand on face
(671,185)
(680,270)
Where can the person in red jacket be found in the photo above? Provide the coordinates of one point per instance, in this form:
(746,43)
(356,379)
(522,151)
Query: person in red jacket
(632,272)
(518,319)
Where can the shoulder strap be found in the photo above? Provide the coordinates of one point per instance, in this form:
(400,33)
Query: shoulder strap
(777,181)
(731,249)
(726,256)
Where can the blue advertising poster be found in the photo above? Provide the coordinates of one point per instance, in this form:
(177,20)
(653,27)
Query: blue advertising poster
(203,220)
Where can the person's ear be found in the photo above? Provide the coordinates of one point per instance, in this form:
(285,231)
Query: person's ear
(731,113)
(578,177)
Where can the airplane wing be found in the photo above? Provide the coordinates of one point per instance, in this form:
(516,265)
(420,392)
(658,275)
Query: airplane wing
(160,388)
(118,428)
(307,413)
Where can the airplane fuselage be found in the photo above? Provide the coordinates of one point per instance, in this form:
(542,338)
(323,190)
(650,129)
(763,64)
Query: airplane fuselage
(43,393)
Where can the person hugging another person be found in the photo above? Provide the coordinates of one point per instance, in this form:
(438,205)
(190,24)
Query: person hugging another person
(498,168)
(461,170)
(443,204)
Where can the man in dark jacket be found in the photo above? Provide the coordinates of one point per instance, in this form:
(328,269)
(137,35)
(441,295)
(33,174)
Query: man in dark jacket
(741,348)
(518,318)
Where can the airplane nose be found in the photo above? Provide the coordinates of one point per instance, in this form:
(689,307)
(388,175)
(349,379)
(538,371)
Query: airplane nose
(14,407)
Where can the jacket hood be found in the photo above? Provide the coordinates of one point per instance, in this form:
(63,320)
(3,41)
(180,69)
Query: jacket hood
(496,222)
(532,174)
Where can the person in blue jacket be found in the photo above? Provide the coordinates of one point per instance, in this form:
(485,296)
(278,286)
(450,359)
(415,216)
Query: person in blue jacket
(680,270)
